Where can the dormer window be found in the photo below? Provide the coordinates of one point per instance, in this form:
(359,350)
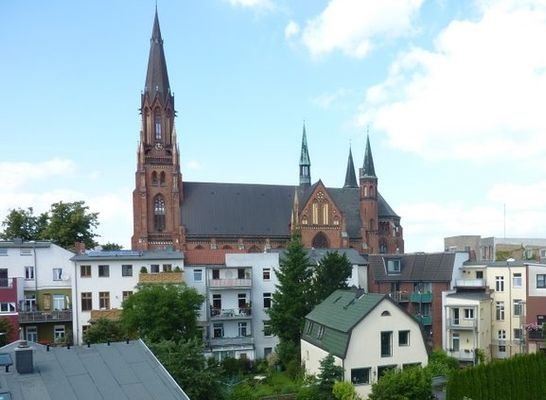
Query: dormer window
(393,266)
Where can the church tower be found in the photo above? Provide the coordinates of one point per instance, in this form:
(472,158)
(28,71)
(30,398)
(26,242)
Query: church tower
(368,202)
(157,198)
(305,161)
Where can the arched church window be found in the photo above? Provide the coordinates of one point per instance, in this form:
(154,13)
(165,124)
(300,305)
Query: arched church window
(154,178)
(304,220)
(365,191)
(320,241)
(383,249)
(336,220)
(162,178)
(325,219)
(371,191)
(157,125)
(315,212)
(159,213)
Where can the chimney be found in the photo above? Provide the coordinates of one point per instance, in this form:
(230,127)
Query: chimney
(24,358)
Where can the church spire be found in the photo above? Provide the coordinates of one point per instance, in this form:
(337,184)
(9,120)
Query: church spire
(368,169)
(305,161)
(157,79)
(350,177)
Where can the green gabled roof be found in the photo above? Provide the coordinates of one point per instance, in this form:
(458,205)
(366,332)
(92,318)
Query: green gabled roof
(339,314)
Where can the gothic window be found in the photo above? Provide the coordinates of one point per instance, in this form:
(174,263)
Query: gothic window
(157,126)
(365,191)
(162,178)
(336,220)
(320,241)
(315,213)
(304,220)
(383,249)
(154,178)
(325,220)
(371,191)
(159,213)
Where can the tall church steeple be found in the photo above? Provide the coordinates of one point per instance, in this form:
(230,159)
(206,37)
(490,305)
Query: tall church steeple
(305,161)
(350,177)
(157,198)
(368,169)
(368,202)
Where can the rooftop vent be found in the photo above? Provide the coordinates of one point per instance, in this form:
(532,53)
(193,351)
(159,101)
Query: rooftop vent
(24,358)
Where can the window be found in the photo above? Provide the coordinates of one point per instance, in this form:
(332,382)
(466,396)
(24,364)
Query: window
(58,332)
(267,329)
(243,328)
(215,274)
(309,328)
(29,273)
(154,268)
(403,338)
(500,311)
(267,351)
(241,298)
(393,266)
(7,307)
(167,268)
(57,274)
(159,213)
(125,295)
(197,275)
(127,270)
(541,281)
(360,376)
(31,333)
(3,252)
(58,302)
(217,301)
(501,334)
(516,280)
(386,344)
(267,300)
(499,283)
(218,330)
(266,274)
(315,213)
(87,301)
(240,273)
(479,274)
(104,271)
(157,126)
(468,313)
(104,300)
(517,334)
(320,332)
(85,271)
(518,307)
(382,370)
(455,342)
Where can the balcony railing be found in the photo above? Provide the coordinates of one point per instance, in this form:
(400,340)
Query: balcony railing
(536,335)
(230,313)
(45,316)
(161,277)
(229,283)
(470,283)
(461,323)
(462,355)
(399,296)
(424,319)
(231,341)
(417,297)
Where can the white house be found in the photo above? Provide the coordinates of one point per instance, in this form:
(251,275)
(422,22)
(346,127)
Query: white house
(103,279)
(367,333)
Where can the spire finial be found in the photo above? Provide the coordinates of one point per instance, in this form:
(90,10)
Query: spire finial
(305,161)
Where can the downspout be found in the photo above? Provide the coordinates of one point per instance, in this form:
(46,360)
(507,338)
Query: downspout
(75,308)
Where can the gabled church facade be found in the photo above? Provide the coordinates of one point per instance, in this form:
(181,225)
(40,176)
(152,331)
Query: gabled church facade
(169,212)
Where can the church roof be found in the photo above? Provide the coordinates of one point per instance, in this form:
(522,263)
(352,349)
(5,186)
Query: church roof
(157,79)
(350,177)
(247,210)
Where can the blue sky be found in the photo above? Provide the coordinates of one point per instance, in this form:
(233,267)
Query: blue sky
(452,94)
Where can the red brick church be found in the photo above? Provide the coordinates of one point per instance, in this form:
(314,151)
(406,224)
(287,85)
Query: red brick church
(169,212)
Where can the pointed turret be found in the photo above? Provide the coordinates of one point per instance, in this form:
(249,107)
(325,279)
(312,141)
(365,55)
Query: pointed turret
(305,161)
(350,176)
(157,79)
(368,168)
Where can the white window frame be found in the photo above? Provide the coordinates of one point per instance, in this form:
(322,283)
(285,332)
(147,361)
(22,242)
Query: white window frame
(29,273)
(57,274)
(198,275)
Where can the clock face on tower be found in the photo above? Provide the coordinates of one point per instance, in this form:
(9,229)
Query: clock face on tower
(158,146)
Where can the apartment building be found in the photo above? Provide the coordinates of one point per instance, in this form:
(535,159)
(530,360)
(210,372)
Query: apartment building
(35,290)
(102,280)
(534,310)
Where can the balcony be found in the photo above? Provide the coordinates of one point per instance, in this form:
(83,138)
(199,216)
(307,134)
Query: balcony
(161,277)
(400,296)
(470,283)
(417,297)
(111,314)
(424,319)
(230,313)
(535,335)
(230,283)
(462,355)
(231,342)
(45,316)
(461,323)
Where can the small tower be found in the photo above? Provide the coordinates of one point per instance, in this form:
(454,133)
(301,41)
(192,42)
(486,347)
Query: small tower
(368,202)
(157,198)
(305,161)
(350,177)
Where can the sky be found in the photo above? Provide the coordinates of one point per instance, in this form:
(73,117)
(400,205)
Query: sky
(452,94)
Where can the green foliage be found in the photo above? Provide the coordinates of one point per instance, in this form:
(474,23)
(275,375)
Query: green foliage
(68,223)
(291,301)
(235,366)
(330,274)
(310,392)
(329,374)
(440,363)
(103,330)
(185,361)
(162,312)
(111,246)
(408,384)
(520,377)
(20,223)
(344,390)
(6,327)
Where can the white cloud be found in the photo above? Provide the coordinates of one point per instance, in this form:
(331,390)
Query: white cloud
(326,100)
(194,165)
(478,94)
(19,174)
(292,29)
(258,4)
(352,26)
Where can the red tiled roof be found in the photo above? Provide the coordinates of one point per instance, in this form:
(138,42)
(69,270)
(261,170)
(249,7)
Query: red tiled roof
(208,256)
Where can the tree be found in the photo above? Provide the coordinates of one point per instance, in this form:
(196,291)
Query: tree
(291,301)
(185,361)
(408,384)
(331,273)
(103,330)
(162,312)
(439,363)
(344,390)
(329,374)
(7,330)
(68,223)
(111,246)
(20,223)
